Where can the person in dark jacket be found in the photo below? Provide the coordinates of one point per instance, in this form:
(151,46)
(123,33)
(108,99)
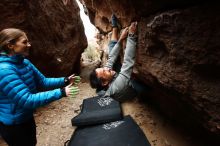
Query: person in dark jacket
(19,84)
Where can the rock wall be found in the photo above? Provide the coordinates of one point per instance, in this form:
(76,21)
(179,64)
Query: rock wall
(54,28)
(179,49)
(177,54)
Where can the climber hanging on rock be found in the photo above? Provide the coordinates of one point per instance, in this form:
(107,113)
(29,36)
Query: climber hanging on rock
(114,81)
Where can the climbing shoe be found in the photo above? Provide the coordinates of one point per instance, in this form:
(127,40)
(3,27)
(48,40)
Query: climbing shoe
(115,22)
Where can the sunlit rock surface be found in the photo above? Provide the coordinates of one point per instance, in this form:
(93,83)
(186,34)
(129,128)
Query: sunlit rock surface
(54,29)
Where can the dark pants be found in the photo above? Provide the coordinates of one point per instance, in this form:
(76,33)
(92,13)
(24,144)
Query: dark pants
(19,135)
(139,86)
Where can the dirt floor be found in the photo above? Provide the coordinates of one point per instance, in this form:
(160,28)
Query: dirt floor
(54,122)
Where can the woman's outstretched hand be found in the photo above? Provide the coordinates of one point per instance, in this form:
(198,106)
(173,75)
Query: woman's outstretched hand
(74,79)
(71,91)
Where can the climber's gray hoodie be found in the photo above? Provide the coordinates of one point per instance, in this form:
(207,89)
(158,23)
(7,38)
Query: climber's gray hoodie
(120,88)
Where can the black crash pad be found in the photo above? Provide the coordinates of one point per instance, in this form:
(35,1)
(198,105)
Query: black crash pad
(119,133)
(98,110)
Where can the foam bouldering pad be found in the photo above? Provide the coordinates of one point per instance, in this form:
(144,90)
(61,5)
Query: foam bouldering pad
(98,110)
(119,133)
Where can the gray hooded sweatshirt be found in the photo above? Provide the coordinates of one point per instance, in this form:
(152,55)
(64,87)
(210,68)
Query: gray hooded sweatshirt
(120,88)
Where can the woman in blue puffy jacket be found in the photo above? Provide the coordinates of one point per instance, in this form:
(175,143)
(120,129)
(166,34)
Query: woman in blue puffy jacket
(19,84)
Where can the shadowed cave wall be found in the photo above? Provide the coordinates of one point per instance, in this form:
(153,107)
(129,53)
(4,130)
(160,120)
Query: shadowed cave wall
(54,29)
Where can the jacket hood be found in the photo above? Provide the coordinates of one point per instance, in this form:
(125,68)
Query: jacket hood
(12,59)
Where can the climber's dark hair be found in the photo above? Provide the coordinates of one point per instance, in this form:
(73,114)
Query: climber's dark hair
(95,82)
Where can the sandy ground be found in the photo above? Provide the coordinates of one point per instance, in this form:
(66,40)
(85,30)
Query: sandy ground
(54,122)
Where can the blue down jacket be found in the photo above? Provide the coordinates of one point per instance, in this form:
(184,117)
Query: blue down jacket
(20,81)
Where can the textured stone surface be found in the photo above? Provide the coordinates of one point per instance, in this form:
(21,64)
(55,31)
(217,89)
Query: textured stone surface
(177,55)
(54,29)
(100,11)
(179,49)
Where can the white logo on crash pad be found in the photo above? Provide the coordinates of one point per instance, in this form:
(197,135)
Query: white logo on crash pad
(112,125)
(105,101)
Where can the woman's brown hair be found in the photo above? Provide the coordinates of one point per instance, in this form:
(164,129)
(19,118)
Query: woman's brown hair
(9,36)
